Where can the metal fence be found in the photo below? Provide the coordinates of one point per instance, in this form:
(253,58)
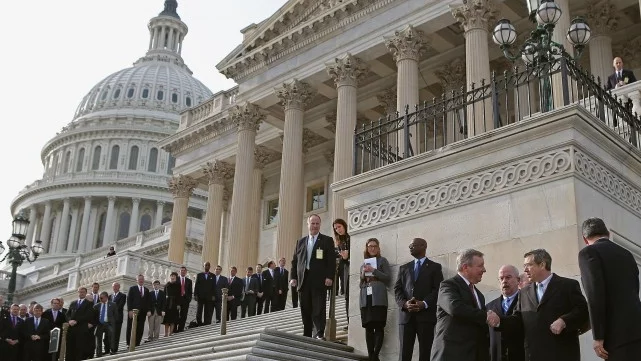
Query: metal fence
(508,98)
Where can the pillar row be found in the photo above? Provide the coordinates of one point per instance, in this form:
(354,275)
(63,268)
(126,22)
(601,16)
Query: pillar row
(83,244)
(110,222)
(603,20)
(133,221)
(218,173)
(181,187)
(63,231)
(262,156)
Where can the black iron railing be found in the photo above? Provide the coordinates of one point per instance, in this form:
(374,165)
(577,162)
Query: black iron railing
(509,98)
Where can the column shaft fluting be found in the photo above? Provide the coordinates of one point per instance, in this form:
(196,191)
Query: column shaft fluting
(560,36)
(84,226)
(72,228)
(63,231)
(247,117)
(133,222)
(601,57)
(160,206)
(163,38)
(33,220)
(110,222)
(254,223)
(181,187)
(218,172)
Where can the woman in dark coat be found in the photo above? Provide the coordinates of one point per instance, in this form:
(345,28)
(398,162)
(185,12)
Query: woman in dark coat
(341,244)
(172,292)
(373,297)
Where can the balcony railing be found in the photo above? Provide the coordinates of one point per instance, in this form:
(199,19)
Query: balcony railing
(509,98)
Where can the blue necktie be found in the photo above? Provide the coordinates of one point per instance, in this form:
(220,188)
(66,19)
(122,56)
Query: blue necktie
(506,305)
(102,314)
(417,269)
(37,322)
(539,291)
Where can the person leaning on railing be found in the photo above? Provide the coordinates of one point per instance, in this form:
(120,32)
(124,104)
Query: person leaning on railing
(373,297)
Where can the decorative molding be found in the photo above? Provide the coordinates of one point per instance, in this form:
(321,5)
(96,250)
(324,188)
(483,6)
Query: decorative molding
(408,43)
(331,122)
(602,17)
(247,116)
(476,14)
(464,189)
(452,75)
(628,52)
(311,139)
(387,99)
(329,158)
(264,156)
(348,70)
(295,94)
(182,186)
(218,172)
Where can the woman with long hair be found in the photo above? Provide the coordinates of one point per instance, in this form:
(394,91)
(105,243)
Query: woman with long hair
(172,292)
(373,297)
(341,243)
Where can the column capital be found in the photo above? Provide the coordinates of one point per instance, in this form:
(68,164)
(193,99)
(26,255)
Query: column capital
(247,116)
(408,43)
(348,70)
(602,17)
(387,99)
(182,186)
(452,75)
(329,158)
(476,14)
(111,198)
(262,156)
(66,200)
(218,172)
(295,94)
(87,198)
(135,201)
(226,198)
(160,203)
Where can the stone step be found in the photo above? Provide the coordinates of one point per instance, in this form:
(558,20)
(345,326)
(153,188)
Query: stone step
(296,347)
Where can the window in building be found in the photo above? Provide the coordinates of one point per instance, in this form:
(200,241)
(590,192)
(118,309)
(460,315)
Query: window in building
(95,162)
(145,93)
(52,231)
(104,94)
(101,230)
(117,94)
(316,198)
(145,223)
(130,93)
(54,166)
(123,225)
(160,95)
(188,101)
(133,158)
(115,153)
(153,160)
(272,212)
(174,98)
(80,159)
(165,220)
(171,164)
(66,168)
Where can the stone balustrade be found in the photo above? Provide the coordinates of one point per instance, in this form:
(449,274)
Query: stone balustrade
(208,109)
(633,92)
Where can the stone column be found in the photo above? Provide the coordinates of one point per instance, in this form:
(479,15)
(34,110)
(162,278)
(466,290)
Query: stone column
(560,36)
(603,20)
(92,228)
(33,220)
(181,187)
(262,156)
(218,173)
(133,222)
(71,242)
(452,78)
(160,206)
(346,72)
(63,231)
(407,46)
(110,221)
(476,17)
(247,118)
(170,40)
(84,227)
(294,97)
(162,38)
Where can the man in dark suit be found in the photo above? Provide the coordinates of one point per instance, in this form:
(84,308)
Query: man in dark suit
(105,316)
(220,282)
(10,330)
(186,292)
(610,279)
(415,291)
(250,291)
(205,295)
(506,346)
(551,310)
(35,332)
(461,331)
(120,299)
(313,269)
(56,317)
(621,76)
(137,298)
(235,294)
(281,279)
(269,286)
(80,318)
(157,300)
(260,295)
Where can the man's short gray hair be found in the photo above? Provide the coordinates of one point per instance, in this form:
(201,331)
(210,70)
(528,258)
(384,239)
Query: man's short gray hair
(466,257)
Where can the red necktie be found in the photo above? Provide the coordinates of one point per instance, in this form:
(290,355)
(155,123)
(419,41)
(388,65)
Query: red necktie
(142,292)
(182,286)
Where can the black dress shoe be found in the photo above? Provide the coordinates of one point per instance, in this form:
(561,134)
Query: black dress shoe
(319,337)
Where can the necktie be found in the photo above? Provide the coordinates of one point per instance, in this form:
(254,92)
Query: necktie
(539,291)
(230,280)
(142,293)
(103,314)
(246,283)
(506,305)
(476,301)
(281,271)
(37,320)
(95,298)
(417,269)
(310,249)
(13,321)
(205,277)
(55,315)
(182,286)
(156,294)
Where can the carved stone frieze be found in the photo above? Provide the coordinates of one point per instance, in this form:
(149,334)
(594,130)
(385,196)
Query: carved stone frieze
(295,94)
(264,156)
(311,139)
(387,99)
(408,43)
(602,17)
(182,186)
(218,172)
(452,75)
(329,158)
(629,53)
(476,14)
(247,116)
(348,70)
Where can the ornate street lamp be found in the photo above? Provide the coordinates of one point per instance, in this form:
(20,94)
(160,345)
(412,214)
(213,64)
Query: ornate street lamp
(18,251)
(539,51)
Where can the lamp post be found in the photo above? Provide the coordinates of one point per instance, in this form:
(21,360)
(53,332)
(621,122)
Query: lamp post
(539,51)
(19,252)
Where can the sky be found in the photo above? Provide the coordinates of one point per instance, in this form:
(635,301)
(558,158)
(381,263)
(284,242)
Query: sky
(56,51)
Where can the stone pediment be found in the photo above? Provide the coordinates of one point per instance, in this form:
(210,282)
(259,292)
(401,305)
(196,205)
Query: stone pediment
(299,23)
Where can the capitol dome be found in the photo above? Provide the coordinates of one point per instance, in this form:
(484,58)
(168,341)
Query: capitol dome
(105,178)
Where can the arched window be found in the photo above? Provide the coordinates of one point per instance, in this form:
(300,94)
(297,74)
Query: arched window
(145,93)
(130,93)
(133,158)
(115,153)
(123,225)
(66,167)
(52,229)
(174,98)
(80,159)
(160,95)
(101,230)
(153,159)
(171,164)
(104,94)
(95,162)
(117,94)
(54,165)
(145,223)
(188,101)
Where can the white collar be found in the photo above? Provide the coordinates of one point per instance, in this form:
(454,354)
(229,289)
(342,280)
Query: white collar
(546,281)
(510,298)
(313,237)
(464,279)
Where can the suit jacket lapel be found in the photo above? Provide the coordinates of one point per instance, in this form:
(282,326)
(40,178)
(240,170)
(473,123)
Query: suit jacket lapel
(510,309)
(550,290)
(531,294)
(467,289)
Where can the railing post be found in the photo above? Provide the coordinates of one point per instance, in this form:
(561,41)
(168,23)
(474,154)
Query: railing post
(564,81)
(355,160)
(496,114)
(63,345)
(331,319)
(223,316)
(134,326)
(406,133)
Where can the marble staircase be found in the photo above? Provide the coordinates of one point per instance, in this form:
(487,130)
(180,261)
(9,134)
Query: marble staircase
(270,337)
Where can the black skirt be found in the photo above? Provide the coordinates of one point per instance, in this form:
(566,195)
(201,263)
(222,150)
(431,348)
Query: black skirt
(373,314)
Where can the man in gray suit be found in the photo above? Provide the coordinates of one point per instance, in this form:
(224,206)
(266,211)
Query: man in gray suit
(105,318)
(250,289)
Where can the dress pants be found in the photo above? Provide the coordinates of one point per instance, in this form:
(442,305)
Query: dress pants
(260,301)
(107,331)
(232,310)
(248,306)
(154,326)
(184,308)
(140,327)
(208,308)
(294,299)
(627,352)
(312,310)
(117,329)
(218,307)
(408,334)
